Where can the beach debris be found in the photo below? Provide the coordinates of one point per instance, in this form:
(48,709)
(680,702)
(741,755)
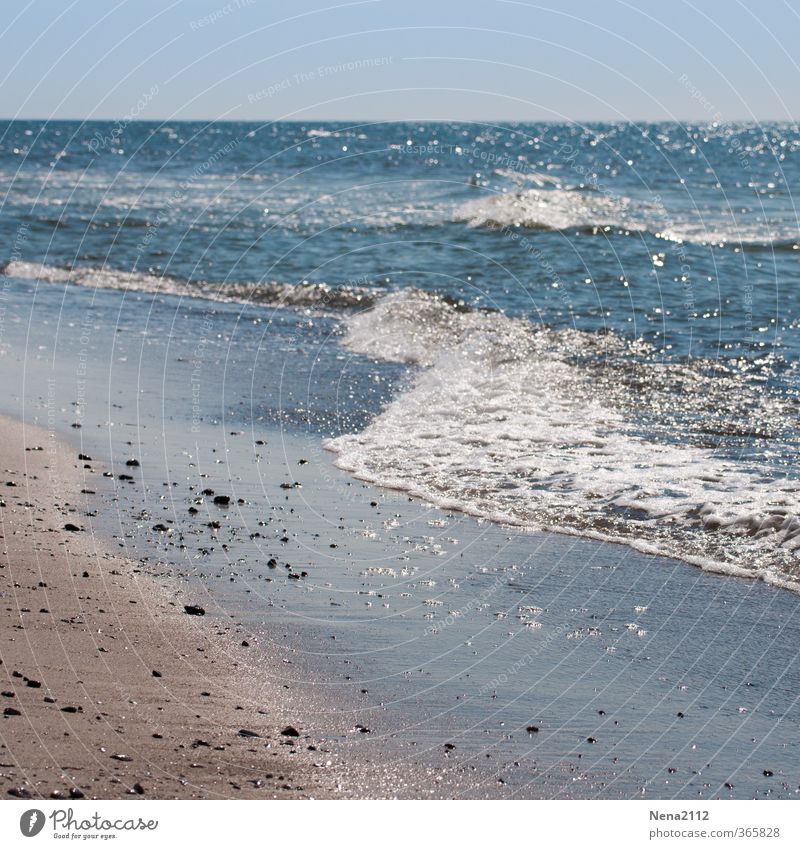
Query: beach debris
(121,757)
(194,610)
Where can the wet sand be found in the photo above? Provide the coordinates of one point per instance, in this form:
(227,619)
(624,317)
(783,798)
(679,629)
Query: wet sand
(109,688)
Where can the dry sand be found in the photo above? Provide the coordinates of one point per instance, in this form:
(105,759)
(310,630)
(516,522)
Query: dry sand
(109,689)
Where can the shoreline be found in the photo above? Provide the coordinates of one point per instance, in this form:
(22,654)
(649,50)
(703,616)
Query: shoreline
(421,644)
(111,690)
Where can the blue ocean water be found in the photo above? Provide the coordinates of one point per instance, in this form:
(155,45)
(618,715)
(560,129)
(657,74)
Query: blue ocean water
(592,329)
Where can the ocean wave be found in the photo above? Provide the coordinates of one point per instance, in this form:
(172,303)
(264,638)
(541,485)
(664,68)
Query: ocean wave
(505,424)
(312,295)
(587,210)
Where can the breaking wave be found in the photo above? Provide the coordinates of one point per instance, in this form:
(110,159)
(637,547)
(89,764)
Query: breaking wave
(318,295)
(505,423)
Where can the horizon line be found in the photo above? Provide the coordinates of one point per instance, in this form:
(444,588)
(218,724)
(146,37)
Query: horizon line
(362,121)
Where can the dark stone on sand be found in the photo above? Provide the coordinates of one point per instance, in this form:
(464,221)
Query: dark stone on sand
(591,740)
(448,747)
(193,510)
(160,527)
(70,527)
(245,643)
(124,477)
(156,673)
(243,732)
(75,793)
(532,729)
(272,563)
(680,714)
(208,492)
(71,709)
(85,492)
(19,793)
(132,462)
(84,457)
(31,683)
(11,712)
(138,789)
(290,731)
(768,773)
(194,610)
(222,500)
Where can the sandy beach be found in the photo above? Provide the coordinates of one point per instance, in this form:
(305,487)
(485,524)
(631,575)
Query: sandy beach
(109,688)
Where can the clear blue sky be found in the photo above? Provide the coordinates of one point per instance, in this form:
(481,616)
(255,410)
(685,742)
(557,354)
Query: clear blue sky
(419,59)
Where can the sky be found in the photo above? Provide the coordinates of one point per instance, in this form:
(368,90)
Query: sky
(491,60)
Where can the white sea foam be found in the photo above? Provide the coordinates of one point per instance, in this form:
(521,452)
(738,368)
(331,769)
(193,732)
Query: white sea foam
(502,424)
